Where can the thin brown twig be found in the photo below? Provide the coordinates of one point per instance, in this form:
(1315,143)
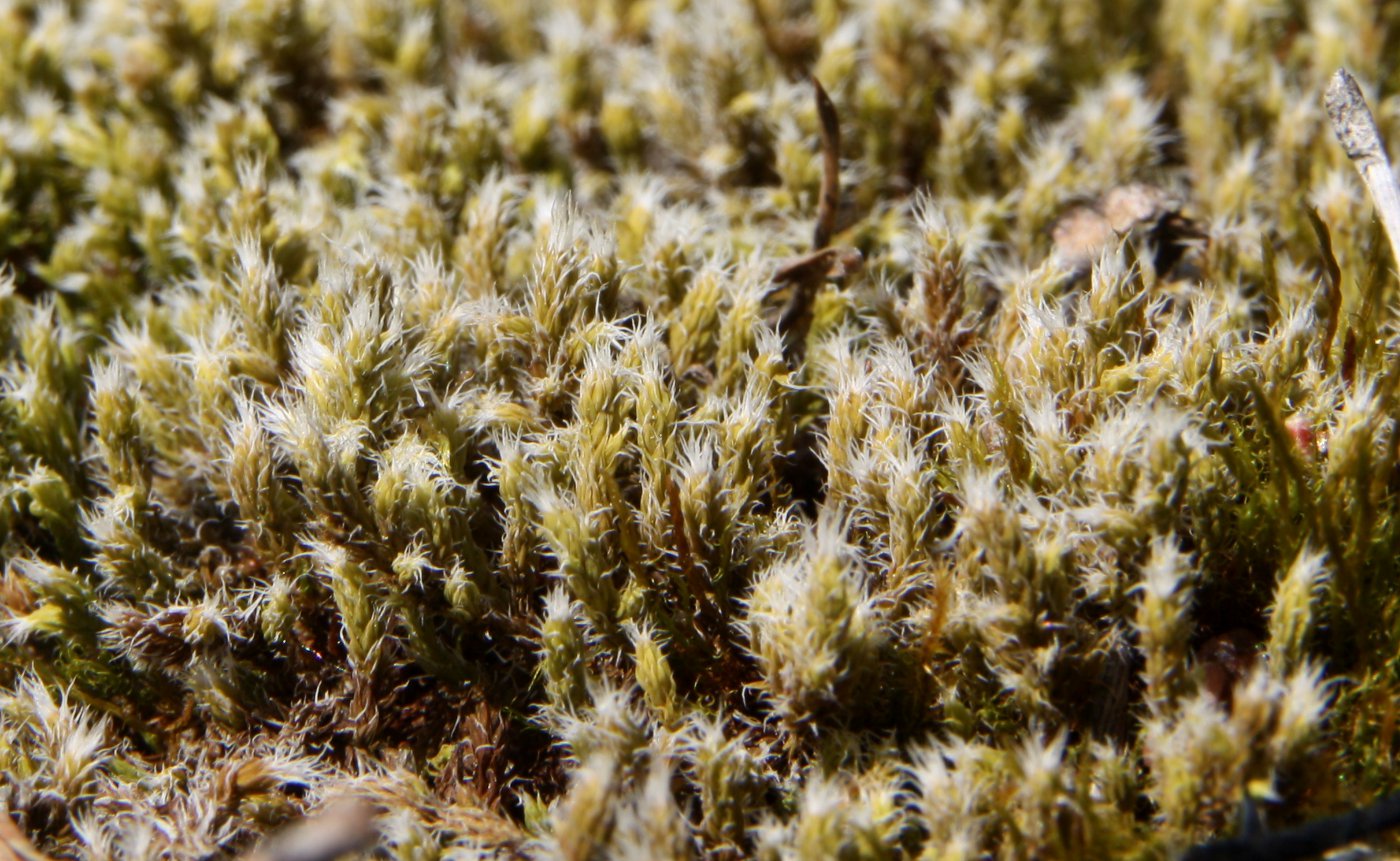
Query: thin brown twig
(807,274)
(830,196)
(1328,300)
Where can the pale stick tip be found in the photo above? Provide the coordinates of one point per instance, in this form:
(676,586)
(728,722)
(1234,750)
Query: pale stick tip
(1356,129)
(1351,118)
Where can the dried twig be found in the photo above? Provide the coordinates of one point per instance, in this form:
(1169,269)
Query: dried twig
(1305,841)
(1328,300)
(1356,129)
(807,274)
(830,196)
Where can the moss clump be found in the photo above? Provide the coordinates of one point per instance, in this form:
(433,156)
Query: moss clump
(442,406)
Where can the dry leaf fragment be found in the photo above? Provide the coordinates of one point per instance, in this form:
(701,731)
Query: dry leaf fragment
(340,830)
(1082,234)
(1137,203)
